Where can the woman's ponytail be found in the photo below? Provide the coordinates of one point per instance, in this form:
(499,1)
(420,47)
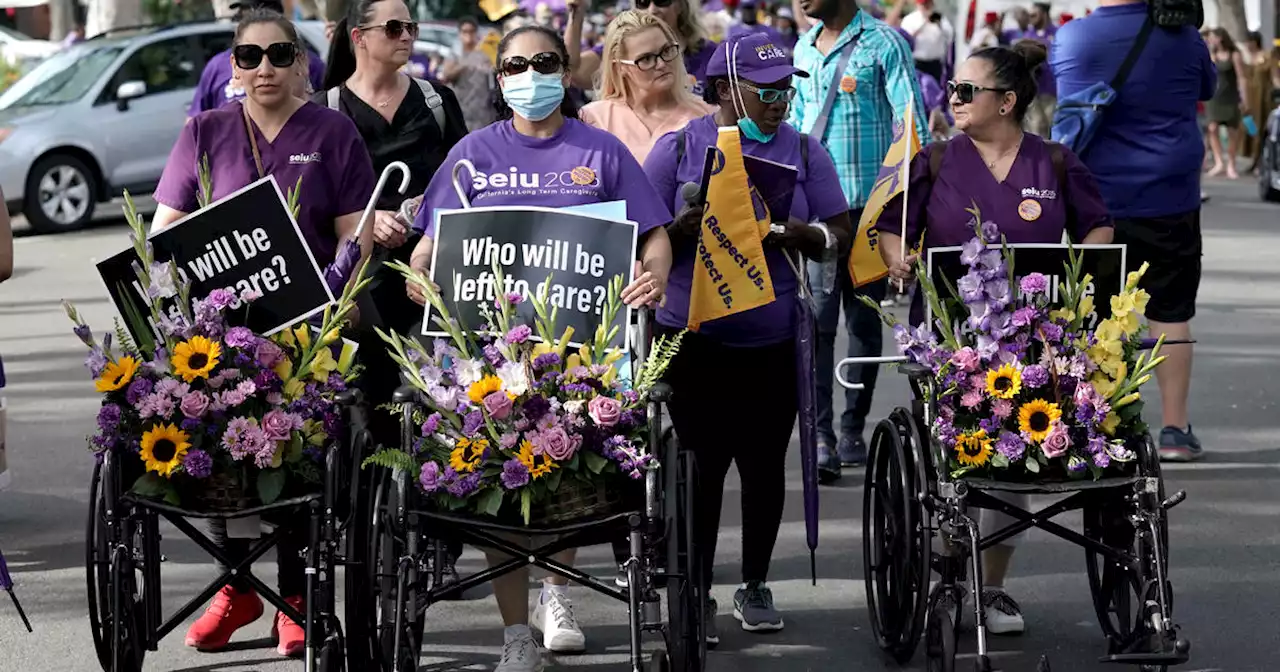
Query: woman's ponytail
(342,57)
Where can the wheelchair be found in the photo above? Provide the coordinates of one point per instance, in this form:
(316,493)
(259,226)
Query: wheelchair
(407,536)
(123,557)
(908,503)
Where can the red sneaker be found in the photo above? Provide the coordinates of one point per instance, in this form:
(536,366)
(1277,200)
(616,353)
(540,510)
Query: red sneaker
(229,611)
(293,638)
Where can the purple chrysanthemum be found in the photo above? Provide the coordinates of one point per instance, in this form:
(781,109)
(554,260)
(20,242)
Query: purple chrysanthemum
(546,361)
(465,485)
(240,337)
(1034,283)
(430,477)
(1034,376)
(109,418)
(514,474)
(519,334)
(472,423)
(431,424)
(137,390)
(198,464)
(1011,446)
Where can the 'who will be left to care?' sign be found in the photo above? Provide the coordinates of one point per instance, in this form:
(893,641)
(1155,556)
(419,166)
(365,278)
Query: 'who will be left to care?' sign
(246,241)
(582,254)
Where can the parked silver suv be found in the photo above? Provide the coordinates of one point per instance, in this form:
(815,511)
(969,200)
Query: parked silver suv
(99,118)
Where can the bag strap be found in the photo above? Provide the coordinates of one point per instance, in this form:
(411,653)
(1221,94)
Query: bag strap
(1136,50)
(434,102)
(332,95)
(253,142)
(1057,156)
(680,143)
(819,129)
(936,150)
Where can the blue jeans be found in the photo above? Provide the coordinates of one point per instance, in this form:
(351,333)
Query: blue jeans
(866,338)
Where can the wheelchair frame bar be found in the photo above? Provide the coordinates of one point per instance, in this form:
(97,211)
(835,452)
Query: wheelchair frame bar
(850,361)
(1042,519)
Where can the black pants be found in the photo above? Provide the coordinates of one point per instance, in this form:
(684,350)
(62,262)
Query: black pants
(291,572)
(736,405)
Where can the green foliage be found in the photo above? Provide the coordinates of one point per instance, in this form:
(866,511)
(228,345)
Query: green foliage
(664,350)
(270,485)
(392,458)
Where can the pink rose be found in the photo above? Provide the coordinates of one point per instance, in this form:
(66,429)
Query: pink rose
(194,405)
(268,354)
(555,443)
(605,411)
(1056,444)
(966,359)
(278,425)
(498,404)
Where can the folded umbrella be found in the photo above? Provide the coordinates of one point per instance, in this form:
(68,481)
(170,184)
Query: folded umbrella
(6,584)
(807,397)
(344,263)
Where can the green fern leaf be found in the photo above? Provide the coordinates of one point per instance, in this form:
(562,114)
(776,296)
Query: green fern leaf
(394,459)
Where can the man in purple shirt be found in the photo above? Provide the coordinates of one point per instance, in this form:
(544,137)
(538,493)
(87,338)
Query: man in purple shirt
(1040,28)
(216,87)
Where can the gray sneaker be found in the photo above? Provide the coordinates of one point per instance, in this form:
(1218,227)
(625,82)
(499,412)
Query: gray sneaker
(1179,446)
(753,606)
(852,451)
(711,630)
(828,464)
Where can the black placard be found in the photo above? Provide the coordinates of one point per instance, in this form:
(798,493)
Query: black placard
(582,254)
(248,240)
(1106,263)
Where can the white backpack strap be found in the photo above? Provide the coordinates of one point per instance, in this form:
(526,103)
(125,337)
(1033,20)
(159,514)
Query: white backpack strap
(434,102)
(333,97)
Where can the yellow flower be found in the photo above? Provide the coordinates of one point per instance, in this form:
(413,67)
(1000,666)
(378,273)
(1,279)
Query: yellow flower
(1110,424)
(563,343)
(322,365)
(1135,276)
(1115,367)
(195,358)
(163,447)
(1004,382)
(573,362)
(1130,323)
(1086,306)
(286,338)
(117,374)
(1140,299)
(1063,314)
(541,349)
(973,450)
(330,337)
(467,455)
(542,465)
(303,333)
(346,358)
(526,454)
(1128,399)
(1036,419)
(1121,304)
(1104,385)
(314,431)
(294,389)
(1108,330)
(483,388)
(284,368)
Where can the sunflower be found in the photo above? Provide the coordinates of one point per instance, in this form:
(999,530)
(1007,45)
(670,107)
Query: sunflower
(483,388)
(117,374)
(163,447)
(973,450)
(1036,419)
(542,465)
(467,455)
(526,454)
(1004,382)
(195,358)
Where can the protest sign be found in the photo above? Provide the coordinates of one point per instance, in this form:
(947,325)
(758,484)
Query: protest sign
(246,241)
(1106,263)
(581,254)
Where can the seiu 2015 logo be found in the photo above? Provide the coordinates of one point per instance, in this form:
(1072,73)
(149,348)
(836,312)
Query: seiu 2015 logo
(313,157)
(513,178)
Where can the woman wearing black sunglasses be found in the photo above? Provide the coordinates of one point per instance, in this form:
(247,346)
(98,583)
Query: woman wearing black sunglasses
(556,161)
(270,132)
(680,15)
(1034,190)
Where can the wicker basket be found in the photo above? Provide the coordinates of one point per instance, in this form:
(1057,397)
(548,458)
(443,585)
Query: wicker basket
(576,500)
(223,492)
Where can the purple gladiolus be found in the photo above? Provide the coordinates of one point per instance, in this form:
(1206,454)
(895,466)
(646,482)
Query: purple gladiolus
(971,251)
(96,362)
(970,287)
(990,232)
(514,474)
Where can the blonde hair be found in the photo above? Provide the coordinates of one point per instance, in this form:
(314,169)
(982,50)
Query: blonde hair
(613,85)
(689,26)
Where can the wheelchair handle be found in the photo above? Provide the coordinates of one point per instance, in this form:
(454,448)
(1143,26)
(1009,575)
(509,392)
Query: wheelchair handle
(850,361)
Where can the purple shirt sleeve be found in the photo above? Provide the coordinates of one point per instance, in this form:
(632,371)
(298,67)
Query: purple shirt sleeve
(1083,199)
(1208,70)
(629,183)
(440,194)
(930,92)
(200,102)
(660,167)
(822,184)
(179,184)
(890,220)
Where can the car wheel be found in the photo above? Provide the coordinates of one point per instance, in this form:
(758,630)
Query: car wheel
(61,194)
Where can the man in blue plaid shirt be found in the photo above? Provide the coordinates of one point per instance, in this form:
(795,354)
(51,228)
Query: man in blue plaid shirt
(875,87)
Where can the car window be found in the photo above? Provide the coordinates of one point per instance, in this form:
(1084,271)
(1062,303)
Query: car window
(167,65)
(212,44)
(61,78)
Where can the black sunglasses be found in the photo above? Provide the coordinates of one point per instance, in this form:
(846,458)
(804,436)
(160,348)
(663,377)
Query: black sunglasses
(249,56)
(394,28)
(650,61)
(644,4)
(964,91)
(545,63)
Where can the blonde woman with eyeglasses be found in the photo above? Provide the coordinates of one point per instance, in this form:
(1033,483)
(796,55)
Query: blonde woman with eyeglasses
(680,15)
(644,89)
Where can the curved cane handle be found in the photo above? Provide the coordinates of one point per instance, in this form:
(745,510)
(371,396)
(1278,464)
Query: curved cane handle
(457,187)
(377,192)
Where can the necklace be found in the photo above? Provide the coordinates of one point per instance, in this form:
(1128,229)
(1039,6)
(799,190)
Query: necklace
(991,165)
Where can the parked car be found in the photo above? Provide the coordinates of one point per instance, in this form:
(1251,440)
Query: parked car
(98,118)
(21,50)
(1269,162)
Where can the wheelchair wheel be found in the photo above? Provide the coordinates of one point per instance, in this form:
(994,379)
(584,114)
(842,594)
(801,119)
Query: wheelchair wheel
(939,639)
(895,548)
(394,580)
(686,630)
(1121,595)
(658,662)
(357,592)
(115,585)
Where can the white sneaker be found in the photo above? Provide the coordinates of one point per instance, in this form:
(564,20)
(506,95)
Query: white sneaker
(1004,616)
(554,618)
(520,652)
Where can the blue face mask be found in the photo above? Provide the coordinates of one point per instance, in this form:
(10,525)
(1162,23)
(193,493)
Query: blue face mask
(752,131)
(533,95)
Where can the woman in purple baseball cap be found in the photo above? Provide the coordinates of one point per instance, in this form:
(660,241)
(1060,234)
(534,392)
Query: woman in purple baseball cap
(744,365)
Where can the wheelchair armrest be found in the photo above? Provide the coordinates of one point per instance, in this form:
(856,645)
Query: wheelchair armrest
(405,394)
(350,397)
(660,393)
(915,371)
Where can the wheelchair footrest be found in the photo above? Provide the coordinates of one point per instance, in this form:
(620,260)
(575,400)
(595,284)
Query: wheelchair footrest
(1176,656)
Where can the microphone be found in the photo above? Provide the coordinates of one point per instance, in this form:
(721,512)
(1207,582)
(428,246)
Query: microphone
(691,193)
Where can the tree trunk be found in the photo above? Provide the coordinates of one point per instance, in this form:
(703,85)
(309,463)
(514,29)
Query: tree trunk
(1231,16)
(62,18)
(105,15)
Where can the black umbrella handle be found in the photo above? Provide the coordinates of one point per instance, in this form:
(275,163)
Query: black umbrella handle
(18,605)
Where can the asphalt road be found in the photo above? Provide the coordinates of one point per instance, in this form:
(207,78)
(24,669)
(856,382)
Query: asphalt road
(1224,538)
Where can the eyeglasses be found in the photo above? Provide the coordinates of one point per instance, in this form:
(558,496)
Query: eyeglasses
(964,91)
(249,56)
(644,4)
(650,61)
(394,28)
(771,96)
(545,63)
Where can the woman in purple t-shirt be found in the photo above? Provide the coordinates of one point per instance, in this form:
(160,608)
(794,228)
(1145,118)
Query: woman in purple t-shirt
(1016,181)
(538,154)
(270,132)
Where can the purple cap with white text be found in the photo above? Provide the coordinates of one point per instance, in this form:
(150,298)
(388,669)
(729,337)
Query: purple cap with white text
(757,59)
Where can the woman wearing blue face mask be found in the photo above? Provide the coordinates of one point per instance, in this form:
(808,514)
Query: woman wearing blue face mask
(743,365)
(537,143)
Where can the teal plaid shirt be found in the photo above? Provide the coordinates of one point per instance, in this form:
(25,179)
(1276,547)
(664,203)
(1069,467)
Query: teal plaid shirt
(860,127)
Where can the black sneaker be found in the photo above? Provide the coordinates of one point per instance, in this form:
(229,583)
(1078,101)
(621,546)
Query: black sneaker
(1179,446)
(828,464)
(852,451)
(710,628)
(753,606)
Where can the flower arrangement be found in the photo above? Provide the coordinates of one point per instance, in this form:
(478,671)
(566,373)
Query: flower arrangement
(1026,390)
(515,420)
(206,399)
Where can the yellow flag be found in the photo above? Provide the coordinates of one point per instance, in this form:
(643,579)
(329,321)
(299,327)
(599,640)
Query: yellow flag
(495,10)
(730,275)
(865,264)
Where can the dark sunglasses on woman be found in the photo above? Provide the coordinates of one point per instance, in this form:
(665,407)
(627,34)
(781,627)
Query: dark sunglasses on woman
(545,63)
(650,61)
(249,56)
(644,4)
(965,91)
(394,28)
